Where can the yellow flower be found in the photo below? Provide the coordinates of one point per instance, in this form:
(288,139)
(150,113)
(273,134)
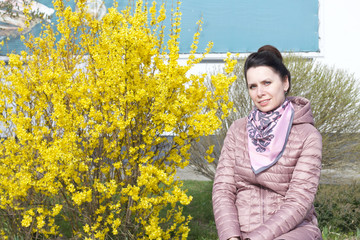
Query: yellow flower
(27,220)
(86,228)
(56,209)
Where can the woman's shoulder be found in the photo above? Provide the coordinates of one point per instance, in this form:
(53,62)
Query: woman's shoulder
(238,128)
(306,134)
(306,130)
(239,124)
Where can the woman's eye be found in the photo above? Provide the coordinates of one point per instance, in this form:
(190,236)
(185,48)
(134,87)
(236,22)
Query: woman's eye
(252,86)
(267,83)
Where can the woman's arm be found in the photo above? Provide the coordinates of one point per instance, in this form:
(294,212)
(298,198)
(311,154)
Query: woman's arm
(300,195)
(224,191)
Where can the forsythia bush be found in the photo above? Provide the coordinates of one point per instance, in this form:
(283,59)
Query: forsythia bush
(84,116)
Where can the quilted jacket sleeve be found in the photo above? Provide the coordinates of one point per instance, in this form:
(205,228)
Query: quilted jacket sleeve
(224,191)
(300,195)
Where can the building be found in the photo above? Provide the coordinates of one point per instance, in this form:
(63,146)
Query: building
(328,30)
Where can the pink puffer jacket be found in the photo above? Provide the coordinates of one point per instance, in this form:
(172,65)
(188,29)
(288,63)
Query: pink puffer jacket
(278,202)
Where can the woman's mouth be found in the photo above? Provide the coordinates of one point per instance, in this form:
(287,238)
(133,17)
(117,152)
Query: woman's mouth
(264,102)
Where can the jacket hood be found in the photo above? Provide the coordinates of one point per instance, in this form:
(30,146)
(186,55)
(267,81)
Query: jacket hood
(302,109)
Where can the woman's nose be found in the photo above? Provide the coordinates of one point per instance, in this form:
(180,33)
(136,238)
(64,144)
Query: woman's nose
(260,91)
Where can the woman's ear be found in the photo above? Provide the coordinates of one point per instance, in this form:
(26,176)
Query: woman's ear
(286,83)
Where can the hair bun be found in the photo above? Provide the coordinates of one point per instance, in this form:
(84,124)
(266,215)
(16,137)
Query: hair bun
(272,49)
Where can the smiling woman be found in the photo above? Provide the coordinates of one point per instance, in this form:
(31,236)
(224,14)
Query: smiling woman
(266,88)
(267,78)
(269,168)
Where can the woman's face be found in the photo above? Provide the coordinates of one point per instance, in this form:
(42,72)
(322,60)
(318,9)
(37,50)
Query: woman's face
(266,88)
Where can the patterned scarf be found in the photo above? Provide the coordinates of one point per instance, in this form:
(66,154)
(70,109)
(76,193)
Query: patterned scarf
(268,133)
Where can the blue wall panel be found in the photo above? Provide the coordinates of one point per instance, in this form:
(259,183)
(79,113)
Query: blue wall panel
(245,25)
(235,25)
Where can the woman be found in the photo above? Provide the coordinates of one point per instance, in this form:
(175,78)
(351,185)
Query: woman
(269,168)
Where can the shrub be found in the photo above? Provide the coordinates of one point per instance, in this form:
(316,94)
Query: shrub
(337,206)
(335,104)
(84,121)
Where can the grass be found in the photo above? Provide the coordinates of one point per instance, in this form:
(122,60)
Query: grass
(329,234)
(337,207)
(203,227)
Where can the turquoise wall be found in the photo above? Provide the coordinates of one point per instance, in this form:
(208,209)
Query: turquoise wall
(245,25)
(236,25)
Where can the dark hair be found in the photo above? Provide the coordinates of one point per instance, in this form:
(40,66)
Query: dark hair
(268,56)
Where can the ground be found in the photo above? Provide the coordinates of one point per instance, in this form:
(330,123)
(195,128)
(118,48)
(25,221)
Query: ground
(335,175)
